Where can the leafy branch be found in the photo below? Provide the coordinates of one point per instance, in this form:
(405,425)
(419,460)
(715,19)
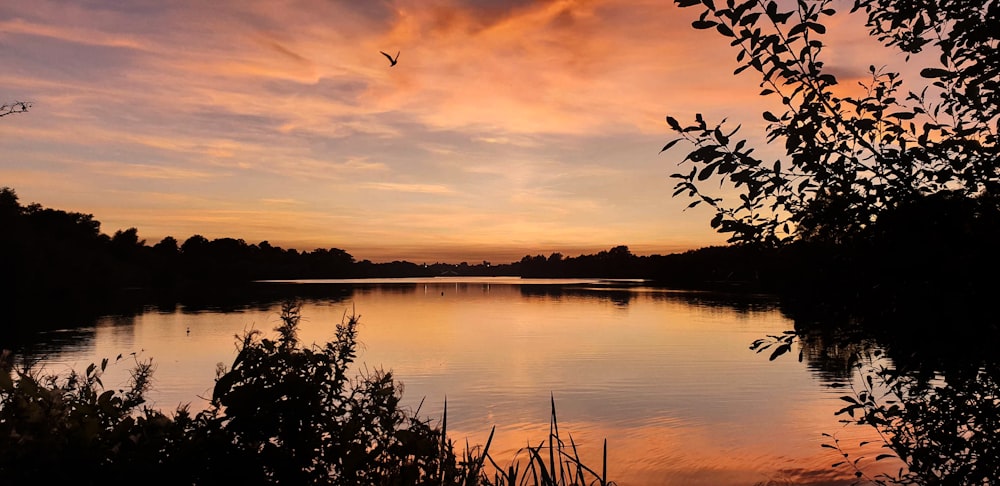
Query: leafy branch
(858,157)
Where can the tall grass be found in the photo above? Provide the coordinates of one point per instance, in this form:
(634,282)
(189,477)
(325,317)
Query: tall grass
(552,462)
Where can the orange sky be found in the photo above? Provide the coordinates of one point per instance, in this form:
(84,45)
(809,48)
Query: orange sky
(507,128)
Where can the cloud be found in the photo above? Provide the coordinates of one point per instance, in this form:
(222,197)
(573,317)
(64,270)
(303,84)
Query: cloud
(71,34)
(547,67)
(281,202)
(147,171)
(403,187)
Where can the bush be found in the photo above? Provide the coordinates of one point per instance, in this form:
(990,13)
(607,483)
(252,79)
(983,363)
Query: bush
(283,413)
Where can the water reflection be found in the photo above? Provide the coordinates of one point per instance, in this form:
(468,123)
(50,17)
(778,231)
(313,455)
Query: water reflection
(665,376)
(932,396)
(831,356)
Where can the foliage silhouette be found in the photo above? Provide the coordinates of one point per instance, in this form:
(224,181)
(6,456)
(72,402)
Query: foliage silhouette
(73,429)
(295,410)
(850,159)
(282,413)
(885,202)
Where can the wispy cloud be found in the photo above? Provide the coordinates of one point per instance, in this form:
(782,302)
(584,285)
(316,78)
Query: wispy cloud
(71,34)
(146,171)
(282,202)
(404,187)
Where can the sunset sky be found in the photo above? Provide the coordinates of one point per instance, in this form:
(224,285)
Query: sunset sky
(507,127)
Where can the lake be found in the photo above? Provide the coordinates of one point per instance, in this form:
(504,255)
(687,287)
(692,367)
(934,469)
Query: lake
(667,377)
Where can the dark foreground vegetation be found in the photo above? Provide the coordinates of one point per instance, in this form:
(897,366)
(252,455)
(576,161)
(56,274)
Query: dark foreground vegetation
(282,413)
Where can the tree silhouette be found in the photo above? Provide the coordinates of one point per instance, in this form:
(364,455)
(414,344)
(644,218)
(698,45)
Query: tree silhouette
(849,159)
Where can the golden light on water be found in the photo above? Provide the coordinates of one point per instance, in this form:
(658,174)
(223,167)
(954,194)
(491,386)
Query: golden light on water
(666,377)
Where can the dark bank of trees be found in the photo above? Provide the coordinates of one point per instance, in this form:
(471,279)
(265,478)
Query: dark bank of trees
(54,256)
(61,261)
(55,253)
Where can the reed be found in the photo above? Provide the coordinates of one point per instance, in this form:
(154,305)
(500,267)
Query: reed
(553,462)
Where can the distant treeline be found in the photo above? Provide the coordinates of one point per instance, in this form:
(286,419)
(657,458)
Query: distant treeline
(941,248)
(56,252)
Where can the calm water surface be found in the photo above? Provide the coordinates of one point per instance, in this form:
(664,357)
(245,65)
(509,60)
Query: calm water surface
(665,376)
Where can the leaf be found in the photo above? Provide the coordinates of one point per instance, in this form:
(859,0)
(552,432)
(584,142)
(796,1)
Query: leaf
(932,73)
(884,456)
(105,397)
(720,137)
(749,19)
(673,124)
(707,171)
(848,409)
(780,350)
(703,24)
(770,117)
(669,144)
(818,28)
(771,9)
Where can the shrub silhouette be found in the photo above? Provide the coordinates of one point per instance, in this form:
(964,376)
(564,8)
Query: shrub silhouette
(282,414)
(295,416)
(73,430)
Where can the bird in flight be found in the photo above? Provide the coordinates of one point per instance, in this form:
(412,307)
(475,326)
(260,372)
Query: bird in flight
(392,60)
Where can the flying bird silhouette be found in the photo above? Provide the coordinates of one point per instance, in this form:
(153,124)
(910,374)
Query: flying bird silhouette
(392,60)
